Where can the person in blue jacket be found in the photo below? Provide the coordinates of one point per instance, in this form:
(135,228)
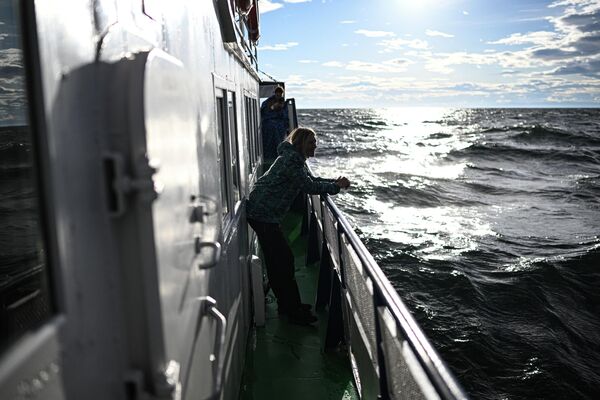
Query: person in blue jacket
(274,123)
(270,199)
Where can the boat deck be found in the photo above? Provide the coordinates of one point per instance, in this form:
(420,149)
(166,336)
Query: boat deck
(287,361)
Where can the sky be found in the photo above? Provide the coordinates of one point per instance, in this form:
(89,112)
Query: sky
(446,53)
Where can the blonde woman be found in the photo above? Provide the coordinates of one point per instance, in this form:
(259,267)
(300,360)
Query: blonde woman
(270,199)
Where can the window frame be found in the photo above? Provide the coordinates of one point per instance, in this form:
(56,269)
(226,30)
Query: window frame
(228,146)
(234,148)
(253,138)
(222,149)
(40,337)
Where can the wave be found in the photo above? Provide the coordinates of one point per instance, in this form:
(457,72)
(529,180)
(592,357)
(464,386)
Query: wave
(440,135)
(498,151)
(544,134)
(520,307)
(496,171)
(440,193)
(357,126)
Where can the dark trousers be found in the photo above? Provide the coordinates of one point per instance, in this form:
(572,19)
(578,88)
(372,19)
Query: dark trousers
(279,260)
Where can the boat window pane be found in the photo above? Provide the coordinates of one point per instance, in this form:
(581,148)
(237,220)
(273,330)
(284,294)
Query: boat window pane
(24,290)
(221,129)
(233,147)
(256,129)
(249,135)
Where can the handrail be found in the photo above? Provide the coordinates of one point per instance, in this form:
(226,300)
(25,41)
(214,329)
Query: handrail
(441,377)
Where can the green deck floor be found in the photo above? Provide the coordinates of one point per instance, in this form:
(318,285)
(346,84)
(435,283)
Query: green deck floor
(286,361)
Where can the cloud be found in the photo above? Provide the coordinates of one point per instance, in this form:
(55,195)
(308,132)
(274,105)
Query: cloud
(368,89)
(430,32)
(266,6)
(584,5)
(368,33)
(587,67)
(572,48)
(279,46)
(396,44)
(559,63)
(393,65)
(465,13)
(348,21)
(553,54)
(396,65)
(540,38)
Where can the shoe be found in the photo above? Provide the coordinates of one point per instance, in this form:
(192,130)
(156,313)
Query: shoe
(301,318)
(303,307)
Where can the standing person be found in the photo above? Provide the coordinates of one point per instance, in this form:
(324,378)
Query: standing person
(270,198)
(275,124)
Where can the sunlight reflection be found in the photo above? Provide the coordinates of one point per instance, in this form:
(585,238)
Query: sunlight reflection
(423,168)
(435,233)
(394,190)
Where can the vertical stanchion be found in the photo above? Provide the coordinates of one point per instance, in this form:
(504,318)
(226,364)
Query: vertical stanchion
(324,285)
(335,323)
(383,376)
(312,252)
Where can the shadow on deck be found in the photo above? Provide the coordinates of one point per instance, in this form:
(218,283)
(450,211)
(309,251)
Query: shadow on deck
(287,361)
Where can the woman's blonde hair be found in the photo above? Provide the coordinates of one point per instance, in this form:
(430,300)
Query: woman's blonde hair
(298,136)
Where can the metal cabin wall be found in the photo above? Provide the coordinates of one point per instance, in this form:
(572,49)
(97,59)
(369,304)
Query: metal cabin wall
(92,359)
(197,42)
(92,296)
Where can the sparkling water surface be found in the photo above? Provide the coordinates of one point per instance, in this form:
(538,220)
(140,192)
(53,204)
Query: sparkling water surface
(487,223)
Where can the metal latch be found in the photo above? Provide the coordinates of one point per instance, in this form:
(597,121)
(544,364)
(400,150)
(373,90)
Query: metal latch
(120,185)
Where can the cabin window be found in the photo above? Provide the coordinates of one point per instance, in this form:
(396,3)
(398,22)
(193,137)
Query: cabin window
(257,136)
(248,135)
(228,150)
(222,129)
(233,147)
(253,138)
(25,298)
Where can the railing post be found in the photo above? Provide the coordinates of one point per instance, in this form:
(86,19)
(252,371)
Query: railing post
(312,253)
(335,321)
(306,214)
(324,285)
(383,383)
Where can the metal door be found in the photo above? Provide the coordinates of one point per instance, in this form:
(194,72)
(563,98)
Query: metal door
(186,218)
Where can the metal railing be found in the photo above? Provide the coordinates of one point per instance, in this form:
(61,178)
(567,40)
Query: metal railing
(391,356)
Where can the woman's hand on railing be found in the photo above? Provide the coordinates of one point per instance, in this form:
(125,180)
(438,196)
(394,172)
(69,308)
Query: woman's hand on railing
(342,182)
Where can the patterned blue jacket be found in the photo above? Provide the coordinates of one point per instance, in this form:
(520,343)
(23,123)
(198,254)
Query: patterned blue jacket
(273,193)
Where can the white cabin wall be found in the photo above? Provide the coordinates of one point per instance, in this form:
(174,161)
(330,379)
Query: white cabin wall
(192,34)
(88,291)
(94,342)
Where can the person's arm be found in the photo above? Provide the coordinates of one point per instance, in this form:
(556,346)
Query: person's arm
(266,105)
(303,180)
(319,179)
(278,104)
